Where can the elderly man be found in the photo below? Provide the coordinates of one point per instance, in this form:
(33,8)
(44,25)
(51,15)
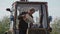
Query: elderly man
(24,18)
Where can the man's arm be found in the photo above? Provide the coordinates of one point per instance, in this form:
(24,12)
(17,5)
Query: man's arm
(22,15)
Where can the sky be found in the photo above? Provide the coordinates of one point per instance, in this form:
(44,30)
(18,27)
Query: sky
(53,7)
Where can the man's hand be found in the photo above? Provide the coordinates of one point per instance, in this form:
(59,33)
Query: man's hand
(24,17)
(31,24)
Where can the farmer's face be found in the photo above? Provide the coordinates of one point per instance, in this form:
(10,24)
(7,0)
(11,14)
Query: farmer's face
(31,12)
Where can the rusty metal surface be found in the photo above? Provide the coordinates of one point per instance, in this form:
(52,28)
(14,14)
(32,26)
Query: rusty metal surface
(36,31)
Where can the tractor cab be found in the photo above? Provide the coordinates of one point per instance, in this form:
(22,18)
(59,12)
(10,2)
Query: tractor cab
(41,23)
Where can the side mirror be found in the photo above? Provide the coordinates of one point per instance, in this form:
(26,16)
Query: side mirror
(50,18)
(8,9)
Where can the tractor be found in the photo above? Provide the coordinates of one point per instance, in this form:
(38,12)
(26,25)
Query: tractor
(41,17)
